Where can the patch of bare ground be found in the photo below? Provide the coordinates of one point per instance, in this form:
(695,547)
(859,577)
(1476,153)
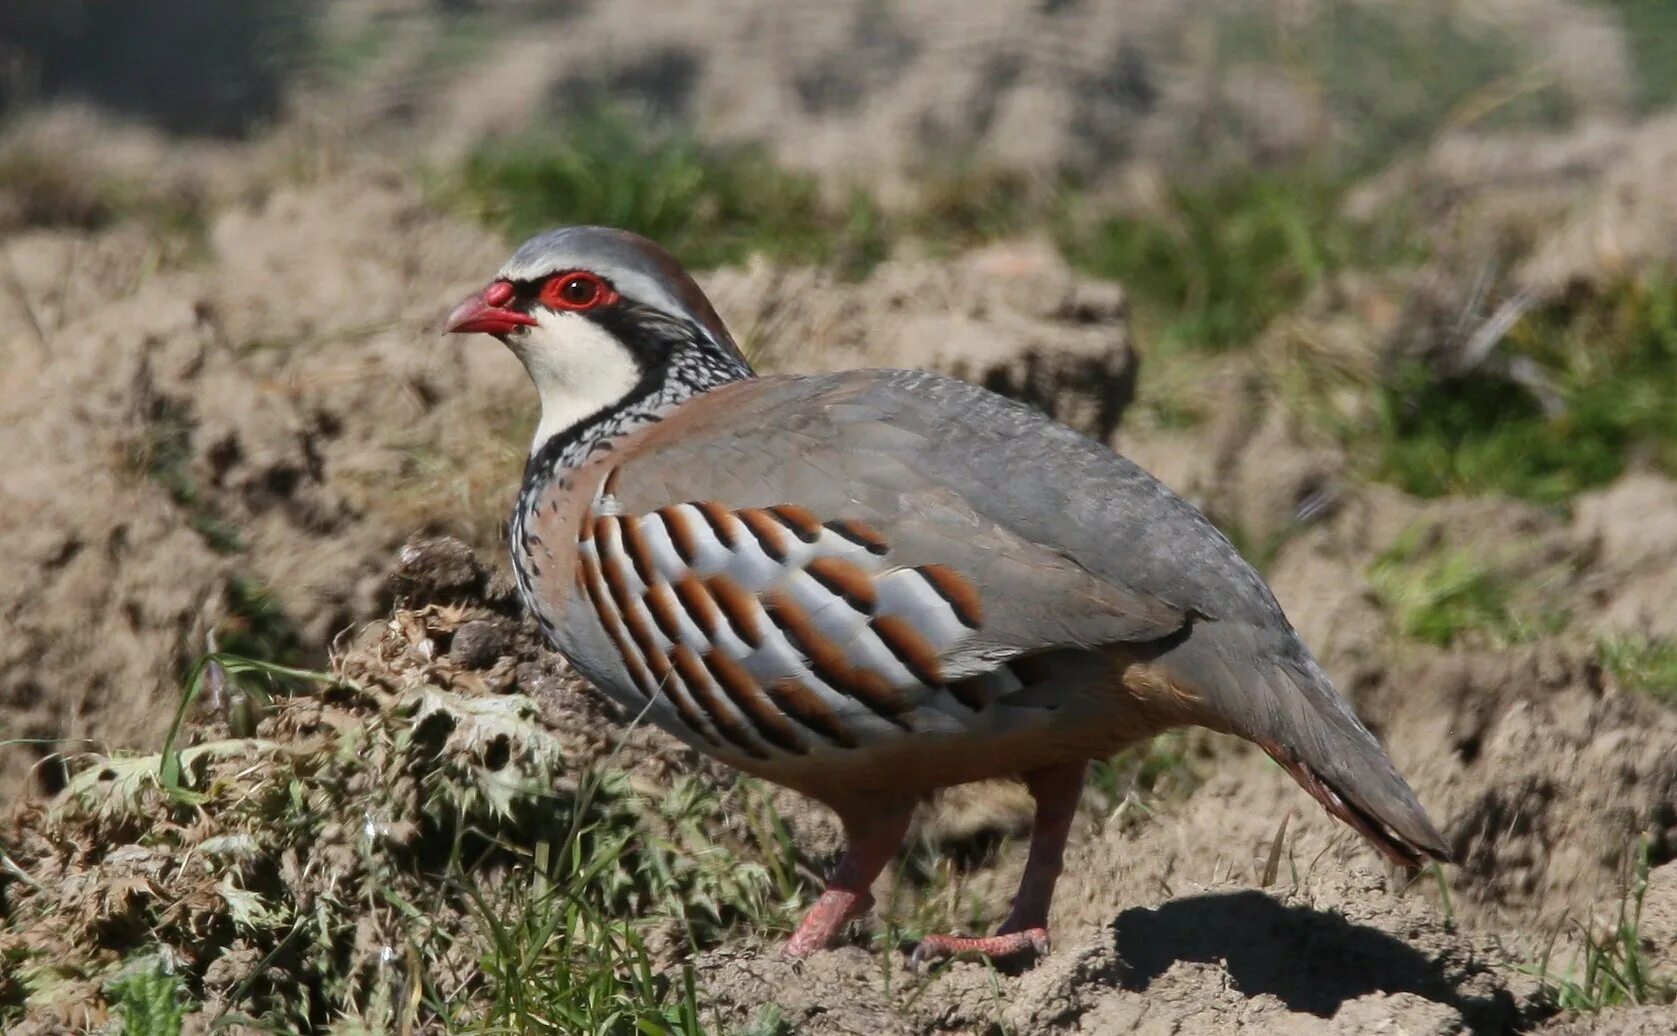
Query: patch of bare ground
(1332,953)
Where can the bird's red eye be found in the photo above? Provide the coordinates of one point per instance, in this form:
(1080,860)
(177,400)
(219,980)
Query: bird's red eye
(575,291)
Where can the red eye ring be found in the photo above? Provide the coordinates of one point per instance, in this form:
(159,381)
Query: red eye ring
(576,291)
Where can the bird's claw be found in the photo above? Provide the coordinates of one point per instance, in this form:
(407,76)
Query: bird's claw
(1013,948)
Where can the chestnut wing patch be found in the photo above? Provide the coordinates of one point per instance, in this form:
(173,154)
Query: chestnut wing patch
(770,631)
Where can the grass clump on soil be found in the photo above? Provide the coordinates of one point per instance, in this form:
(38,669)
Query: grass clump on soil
(713,204)
(1646,665)
(257,626)
(1440,594)
(1217,258)
(1215,264)
(708,204)
(150,998)
(1585,388)
(1162,770)
(1613,966)
(42,189)
(402,847)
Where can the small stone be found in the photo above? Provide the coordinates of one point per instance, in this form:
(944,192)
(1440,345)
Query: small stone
(437,569)
(477,645)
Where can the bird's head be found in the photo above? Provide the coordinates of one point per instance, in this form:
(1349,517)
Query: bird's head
(601,319)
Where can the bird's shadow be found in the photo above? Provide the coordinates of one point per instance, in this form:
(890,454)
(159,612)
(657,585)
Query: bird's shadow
(1314,961)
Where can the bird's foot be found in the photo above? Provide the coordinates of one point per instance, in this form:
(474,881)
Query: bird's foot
(821,926)
(1019,948)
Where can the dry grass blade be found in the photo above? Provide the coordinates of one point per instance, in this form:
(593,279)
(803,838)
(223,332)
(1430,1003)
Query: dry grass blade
(1272,864)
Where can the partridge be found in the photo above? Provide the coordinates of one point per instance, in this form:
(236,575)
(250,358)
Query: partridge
(869,585)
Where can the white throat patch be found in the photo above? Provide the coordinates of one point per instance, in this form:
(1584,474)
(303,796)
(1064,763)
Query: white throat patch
(579,369)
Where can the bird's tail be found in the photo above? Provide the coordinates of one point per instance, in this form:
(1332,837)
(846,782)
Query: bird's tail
(1410,851)
(1265,686)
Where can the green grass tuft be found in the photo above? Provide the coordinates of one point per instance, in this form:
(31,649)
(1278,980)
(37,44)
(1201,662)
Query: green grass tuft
(257,625)
(1646,665)
(1608,364)
(1219,262)
(395,855)
(769,1021)
(1439,594)
(1613,969)
(553,962)
(48,186)
(150,998)
(962,205)
(708,204)
(1160,770)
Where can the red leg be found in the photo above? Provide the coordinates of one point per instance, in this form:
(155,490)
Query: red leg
(872,845)
(1056,790)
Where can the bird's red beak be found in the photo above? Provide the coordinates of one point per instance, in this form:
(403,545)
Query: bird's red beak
(487,311)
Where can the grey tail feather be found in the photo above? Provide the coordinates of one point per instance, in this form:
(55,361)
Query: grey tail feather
(1264,686)
(1406,852)
(1344,768)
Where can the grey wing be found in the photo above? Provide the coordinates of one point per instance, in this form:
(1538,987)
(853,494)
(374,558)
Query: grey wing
(1078,531)
(1053,486)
